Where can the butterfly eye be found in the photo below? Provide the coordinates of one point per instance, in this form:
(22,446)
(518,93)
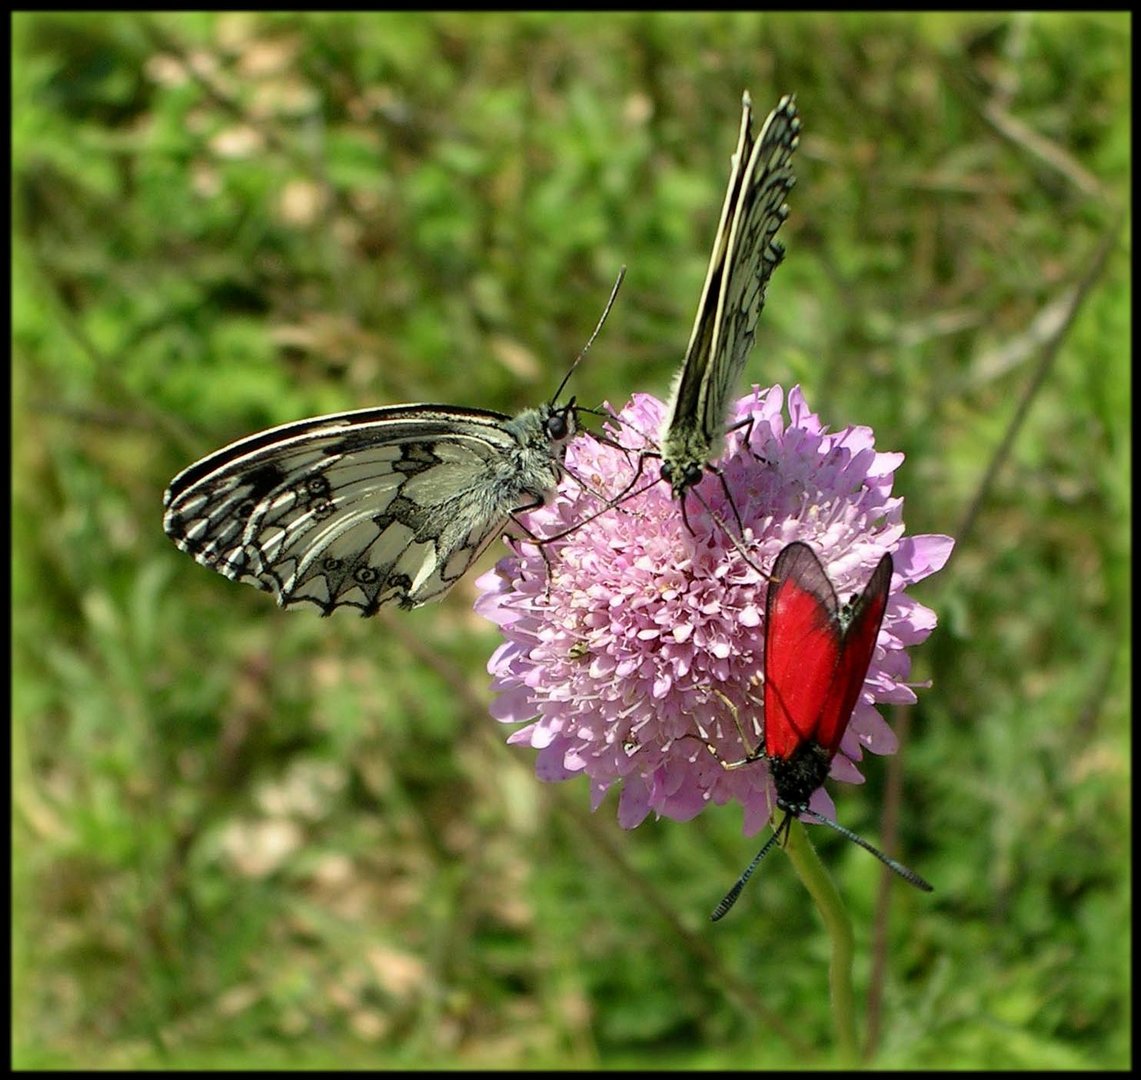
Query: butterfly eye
(559,425)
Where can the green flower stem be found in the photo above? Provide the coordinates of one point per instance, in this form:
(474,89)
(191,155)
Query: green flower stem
(819,885)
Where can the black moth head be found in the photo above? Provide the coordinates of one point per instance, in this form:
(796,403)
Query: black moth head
(799,775)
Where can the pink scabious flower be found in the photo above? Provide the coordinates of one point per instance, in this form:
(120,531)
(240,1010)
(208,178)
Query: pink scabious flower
(632,645)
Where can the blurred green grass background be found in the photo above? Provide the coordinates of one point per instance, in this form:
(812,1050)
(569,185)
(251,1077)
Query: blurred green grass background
(253,838)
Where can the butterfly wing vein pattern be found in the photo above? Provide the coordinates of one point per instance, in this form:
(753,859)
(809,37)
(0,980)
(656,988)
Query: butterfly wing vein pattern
(359,509)
(745,254)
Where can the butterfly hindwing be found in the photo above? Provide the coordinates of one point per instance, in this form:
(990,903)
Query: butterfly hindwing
(859,627)
(362,508)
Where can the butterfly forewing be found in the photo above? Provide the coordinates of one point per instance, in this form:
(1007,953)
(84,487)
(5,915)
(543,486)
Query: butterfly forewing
(859,628)
(687,393)
(802,649)
(359,509)
(745,253)
(754,253)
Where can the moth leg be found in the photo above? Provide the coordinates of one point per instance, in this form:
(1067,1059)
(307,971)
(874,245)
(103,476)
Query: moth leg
(756,754)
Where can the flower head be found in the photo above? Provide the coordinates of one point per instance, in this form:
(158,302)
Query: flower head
(635,643)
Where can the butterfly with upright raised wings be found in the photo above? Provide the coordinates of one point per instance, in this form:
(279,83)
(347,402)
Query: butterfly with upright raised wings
(745,254)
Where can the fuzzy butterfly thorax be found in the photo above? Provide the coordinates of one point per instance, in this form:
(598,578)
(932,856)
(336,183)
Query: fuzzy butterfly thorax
(536,468)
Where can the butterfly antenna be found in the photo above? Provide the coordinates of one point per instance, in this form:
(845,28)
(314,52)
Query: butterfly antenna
(722,909)
(904,872)
(590,341)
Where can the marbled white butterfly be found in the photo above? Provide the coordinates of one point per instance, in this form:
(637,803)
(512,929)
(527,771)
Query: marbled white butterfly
(357,509)
(745,253)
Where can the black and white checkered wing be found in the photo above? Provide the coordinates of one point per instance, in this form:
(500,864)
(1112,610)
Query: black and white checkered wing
(362,508)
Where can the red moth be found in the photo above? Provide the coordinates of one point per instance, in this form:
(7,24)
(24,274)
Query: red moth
(817,653)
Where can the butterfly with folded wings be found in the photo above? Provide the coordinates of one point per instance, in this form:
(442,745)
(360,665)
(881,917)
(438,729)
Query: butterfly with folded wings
(745,254)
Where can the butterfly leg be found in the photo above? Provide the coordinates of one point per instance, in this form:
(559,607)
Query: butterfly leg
(747,443)
(608,502)
(685,516)
(628,492)
(540,542)
(748,423)
(716,517)
(724,526)
(643,452)
(729,496)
